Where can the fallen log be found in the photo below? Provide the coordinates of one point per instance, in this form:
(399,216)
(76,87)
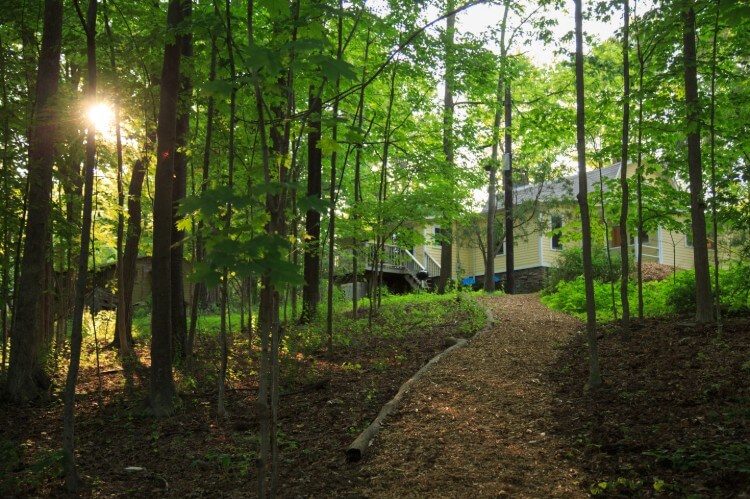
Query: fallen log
(356,451)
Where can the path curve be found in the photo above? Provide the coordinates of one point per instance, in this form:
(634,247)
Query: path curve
(479,423)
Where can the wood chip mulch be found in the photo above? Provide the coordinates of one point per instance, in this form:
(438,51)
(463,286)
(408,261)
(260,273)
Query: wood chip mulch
(479,423)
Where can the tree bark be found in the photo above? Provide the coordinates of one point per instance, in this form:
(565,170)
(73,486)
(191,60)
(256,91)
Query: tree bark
(311,288)
(712,142)
(489,256)
(510,282)
(332,188)
(76,333)
(162,390)
(583,203)
(220,403)
(446,247)
(26,377)
(624,246)
(179,189)
(199,288)
(124,314)
(703,302)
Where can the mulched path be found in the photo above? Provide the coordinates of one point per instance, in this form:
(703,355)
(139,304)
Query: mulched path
(479,423)
(511,415)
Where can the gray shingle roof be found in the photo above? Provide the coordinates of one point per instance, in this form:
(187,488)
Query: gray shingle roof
(560,189)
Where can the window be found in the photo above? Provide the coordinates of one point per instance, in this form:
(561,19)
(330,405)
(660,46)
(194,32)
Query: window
(689,240)
(500,249)
(644,238)
(556,226)
(616,237)
(438,236)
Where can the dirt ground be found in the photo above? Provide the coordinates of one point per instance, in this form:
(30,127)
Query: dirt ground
(506,415)
(480,423)
(510,414)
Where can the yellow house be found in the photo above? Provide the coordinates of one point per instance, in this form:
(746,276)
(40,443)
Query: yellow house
(549,207)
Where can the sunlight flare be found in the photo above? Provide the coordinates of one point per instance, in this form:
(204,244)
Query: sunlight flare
(101,115)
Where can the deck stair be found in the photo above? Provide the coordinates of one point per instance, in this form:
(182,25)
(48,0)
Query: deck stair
(402,261)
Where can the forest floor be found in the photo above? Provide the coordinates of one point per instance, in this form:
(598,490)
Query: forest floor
(511,415)
(507,415)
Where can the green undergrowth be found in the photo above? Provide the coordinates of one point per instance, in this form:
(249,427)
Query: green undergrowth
(398,317)
(671,296)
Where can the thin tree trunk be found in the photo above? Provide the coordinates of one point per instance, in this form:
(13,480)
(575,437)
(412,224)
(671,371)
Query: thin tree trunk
(489,265)
(311,288)
(714,198)
(446,248)
(26,377)
(332,189)
(583,202)
(123,316)
(510,285)
(76,334)
(220,404)
(179,189)
(162,390)
(199,289)
(624,246)
(8,157)
(358,181)
(639,165)
(606,241)
(703,302)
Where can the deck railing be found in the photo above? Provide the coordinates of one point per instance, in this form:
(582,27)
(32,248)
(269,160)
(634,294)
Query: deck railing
(431,266)
(394,257)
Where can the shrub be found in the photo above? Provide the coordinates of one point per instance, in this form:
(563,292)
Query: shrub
(660,298)
(569,266)
(570,297)
(734,282)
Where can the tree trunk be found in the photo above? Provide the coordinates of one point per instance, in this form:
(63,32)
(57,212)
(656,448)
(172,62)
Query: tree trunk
(220,403)
(446,247)
(162,390)
(489,266)
(639,166)
(179,189)
(712,141)
(624,249)
(703,303)
(332,188)
(124,313)
(199,288)
(76,333)
(583,203)
(26,377)
(311,288)
(510,283)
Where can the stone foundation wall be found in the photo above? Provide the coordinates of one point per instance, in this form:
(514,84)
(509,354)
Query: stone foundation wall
(527,280)
(530,280)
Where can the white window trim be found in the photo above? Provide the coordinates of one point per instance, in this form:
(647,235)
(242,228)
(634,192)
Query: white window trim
(660,244)
(552,238)
(502,251)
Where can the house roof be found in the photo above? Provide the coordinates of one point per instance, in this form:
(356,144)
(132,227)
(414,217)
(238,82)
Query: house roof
(562,188)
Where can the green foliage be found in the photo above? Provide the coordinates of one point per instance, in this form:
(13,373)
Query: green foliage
(660,298)
(734,282)
(398,316)
(569,266)
(570,297)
